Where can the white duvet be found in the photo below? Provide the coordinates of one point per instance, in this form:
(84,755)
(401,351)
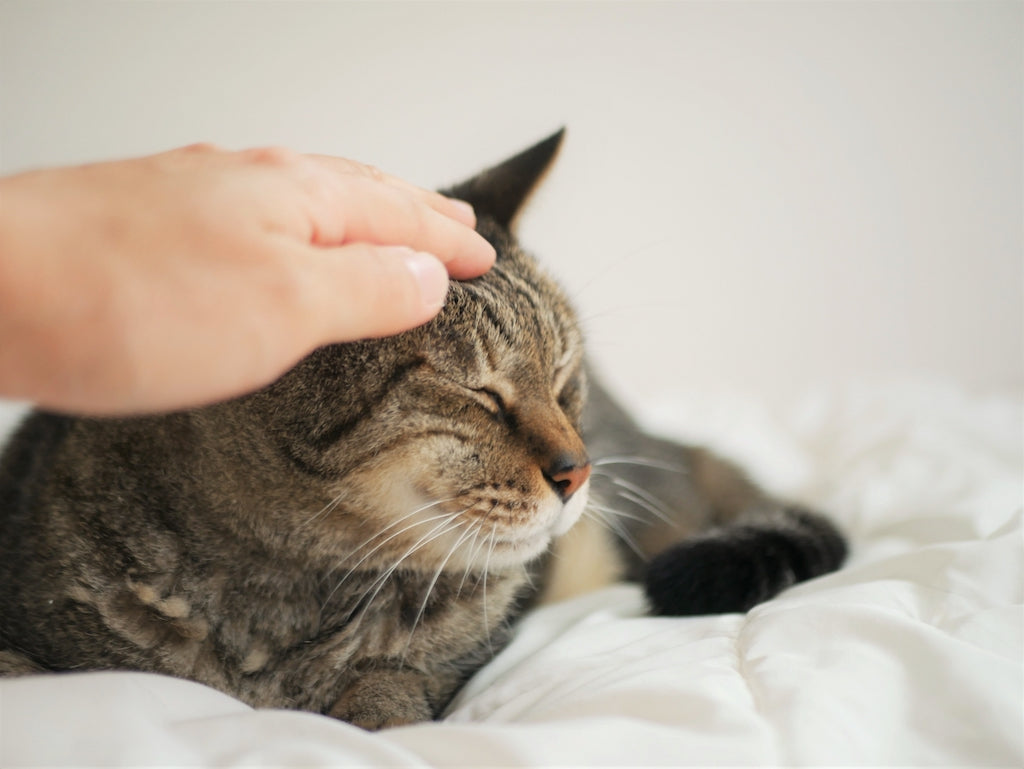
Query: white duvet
(911,655)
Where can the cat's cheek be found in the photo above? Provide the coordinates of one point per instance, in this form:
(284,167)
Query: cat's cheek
(571,511)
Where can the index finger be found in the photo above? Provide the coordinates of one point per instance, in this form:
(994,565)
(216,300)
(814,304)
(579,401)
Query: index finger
(459,210)
(388,216)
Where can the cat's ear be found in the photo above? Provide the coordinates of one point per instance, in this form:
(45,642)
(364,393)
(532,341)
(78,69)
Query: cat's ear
(500,192)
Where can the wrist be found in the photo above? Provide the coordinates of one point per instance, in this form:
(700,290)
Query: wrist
(32,309)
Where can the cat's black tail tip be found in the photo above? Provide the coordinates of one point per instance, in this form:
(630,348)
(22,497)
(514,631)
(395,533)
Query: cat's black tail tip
(733,569)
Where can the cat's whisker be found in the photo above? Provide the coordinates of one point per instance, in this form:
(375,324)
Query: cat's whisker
(487,567)
(644,504)
(377,585)
(330,506)
(644,499)
(618,513)
(430,588)
(325,510)
(357,564)
(398,521)
(615,311)
(390,526)
(627,459)
(352,569)
(484,543)
(477,527)
(610,522)
(529,578)
(610,264)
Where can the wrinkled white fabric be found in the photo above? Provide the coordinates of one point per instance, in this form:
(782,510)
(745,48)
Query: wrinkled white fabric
(911,655)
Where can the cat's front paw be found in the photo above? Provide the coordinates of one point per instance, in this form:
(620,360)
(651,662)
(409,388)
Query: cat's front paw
(382,699)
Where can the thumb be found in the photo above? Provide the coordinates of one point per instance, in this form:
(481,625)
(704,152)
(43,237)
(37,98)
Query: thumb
(371,291)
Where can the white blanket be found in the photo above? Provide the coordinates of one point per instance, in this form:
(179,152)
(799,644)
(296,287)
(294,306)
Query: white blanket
(911,655)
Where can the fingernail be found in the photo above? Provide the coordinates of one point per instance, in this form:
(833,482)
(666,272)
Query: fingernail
(467,210)
(431,277)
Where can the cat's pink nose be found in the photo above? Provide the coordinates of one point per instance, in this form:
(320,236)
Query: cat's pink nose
(567,478)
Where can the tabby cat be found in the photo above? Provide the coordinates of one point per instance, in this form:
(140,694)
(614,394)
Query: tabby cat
(359,537)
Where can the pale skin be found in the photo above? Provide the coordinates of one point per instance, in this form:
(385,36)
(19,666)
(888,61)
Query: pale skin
(195,275)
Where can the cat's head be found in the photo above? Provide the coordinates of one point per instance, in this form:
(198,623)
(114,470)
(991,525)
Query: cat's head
(458,440)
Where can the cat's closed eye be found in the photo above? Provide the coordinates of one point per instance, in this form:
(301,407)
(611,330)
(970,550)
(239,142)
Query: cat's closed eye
(569,397)
(493,402)
(566,400)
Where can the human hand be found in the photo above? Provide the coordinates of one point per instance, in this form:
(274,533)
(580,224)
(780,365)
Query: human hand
(198,274)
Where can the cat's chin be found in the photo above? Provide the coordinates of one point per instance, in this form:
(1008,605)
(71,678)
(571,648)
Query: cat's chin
(514,551)
(571,510)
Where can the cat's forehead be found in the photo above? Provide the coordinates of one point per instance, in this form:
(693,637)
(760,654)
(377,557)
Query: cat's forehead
(511,319)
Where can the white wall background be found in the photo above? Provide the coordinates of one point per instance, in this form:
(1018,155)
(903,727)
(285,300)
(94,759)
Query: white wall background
(762,196)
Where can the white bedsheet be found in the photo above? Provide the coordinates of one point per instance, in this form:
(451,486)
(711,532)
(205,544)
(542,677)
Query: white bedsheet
(911,655)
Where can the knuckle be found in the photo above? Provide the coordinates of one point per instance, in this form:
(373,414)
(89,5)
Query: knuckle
(409,223)
(374,173)
(201,148)
(274,156)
